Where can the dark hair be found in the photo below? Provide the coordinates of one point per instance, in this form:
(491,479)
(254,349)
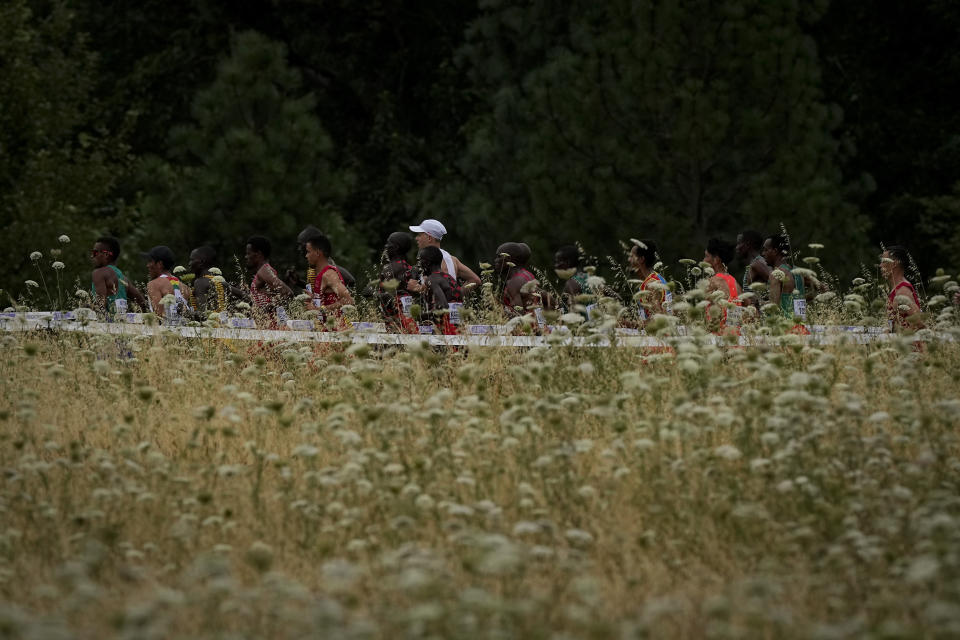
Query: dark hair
(753,239)
(899,254)
(648,252)
(398,244)
(113,244)
(430,257)
(320,242)
(780,243)
(308,232)
(260,244)
(206,253)
(568,254)
(720,248)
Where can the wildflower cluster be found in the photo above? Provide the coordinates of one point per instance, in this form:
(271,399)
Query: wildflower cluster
(159,487)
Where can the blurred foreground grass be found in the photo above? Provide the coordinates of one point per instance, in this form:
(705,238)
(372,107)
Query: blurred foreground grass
(223,490)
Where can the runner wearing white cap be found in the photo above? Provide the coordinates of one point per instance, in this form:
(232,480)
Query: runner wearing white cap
(429,233)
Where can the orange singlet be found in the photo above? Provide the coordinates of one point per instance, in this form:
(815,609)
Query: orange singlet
(733,295)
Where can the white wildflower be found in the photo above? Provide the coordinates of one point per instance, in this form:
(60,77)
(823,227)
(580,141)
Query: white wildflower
(64,239)
(578,537)
(35,256)
(31,283)
(58,265)
(727,452)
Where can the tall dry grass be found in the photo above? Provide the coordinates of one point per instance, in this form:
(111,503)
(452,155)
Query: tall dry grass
(227,490)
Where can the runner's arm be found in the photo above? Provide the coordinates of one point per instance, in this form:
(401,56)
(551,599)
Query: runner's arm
(759,269)
(275,284)
(776,286)
(512,293)
(331,281)
(200,289)
(465,274)
(155,294)
(134,294)
(101,288)
(439,293)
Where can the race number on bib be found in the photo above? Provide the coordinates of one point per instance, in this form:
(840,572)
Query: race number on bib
(800,308)
(120,305)
(734,316)
(406,304)
(538,312)
(641,312)
(455,308)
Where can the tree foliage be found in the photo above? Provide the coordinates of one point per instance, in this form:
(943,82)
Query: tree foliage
(676,121)
(60,159)
(536,120)
(254,159)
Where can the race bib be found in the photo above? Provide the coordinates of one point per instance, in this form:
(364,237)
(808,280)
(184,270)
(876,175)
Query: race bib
(538,313)
(734,316)
(406,303)
(318,303)
(310,289)
(800,308)
(455,308)
(282,315)
(590,308)
(641,312)
(120,305)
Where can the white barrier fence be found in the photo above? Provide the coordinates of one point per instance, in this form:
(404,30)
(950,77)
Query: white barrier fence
(473,335)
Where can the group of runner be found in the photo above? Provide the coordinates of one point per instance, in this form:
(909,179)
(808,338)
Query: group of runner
(433,288)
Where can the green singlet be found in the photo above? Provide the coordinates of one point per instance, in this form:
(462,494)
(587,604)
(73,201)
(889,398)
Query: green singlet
(121,293)
(581,279)
(786,300)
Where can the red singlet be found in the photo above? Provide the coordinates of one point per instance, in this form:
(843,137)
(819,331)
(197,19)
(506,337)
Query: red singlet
(896,318)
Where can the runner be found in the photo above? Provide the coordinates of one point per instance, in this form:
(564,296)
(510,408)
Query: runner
(429,234)
(160,261)
(786,288)
(442,296)
(209,290)
(717,255)
(330,292)
(566,264)
(110,289)
(521,290)
(902,301)
(750,250)
(395,300)
(293,279)
(642,259)
(266,289)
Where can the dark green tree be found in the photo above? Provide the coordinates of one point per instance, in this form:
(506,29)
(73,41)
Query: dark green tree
(60,158)
(895,69)
(676,121)
(255,159)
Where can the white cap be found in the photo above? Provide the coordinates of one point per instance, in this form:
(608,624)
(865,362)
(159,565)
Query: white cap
(431,227)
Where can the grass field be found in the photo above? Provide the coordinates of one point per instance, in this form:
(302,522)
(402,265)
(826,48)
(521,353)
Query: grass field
(209,489)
